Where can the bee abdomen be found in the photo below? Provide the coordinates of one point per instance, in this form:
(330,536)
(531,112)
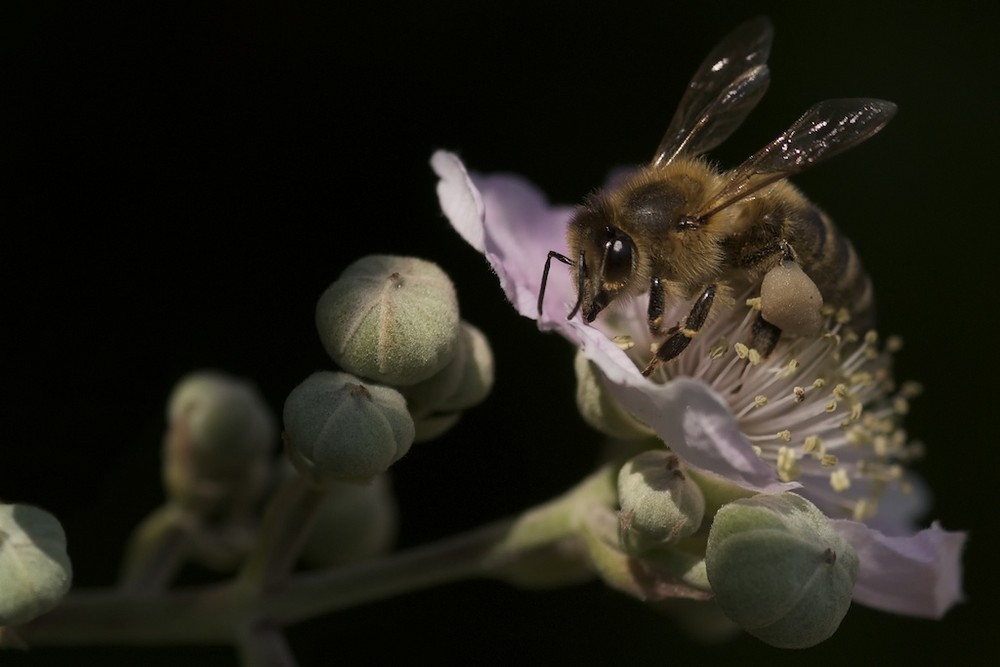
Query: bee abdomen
(829,258)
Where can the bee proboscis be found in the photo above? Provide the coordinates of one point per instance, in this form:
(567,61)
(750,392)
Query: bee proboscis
(681,230)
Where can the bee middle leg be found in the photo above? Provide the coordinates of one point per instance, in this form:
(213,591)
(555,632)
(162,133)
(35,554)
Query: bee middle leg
(682,336)
(764,336)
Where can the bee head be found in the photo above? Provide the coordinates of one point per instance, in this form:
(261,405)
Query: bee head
(606,259)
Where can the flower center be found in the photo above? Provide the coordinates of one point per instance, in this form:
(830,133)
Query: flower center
(824,411)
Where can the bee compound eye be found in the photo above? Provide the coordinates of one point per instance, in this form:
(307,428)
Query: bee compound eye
(619,251)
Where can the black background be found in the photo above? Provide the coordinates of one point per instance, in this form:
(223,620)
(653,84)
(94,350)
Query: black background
(182,180)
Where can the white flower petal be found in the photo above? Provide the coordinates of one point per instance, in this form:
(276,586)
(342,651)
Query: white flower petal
(917,575)
(459,198)
(509,220)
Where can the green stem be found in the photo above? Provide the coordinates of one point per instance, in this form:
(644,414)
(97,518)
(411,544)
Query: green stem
(282,533)
(220,614)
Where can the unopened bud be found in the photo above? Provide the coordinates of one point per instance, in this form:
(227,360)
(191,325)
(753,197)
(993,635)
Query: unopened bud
(660,504)
(354,522)
(437,402)
(35,572)
(224,417)
(779,570)
(337,427)
(218,444)
(391,319)
(599,408)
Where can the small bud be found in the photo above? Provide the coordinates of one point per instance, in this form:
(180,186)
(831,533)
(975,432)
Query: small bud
(391,319)
(337,427)
(354,522)
(779,570)
(436,402)
(225,417)
(219,438)
(35,572)
(660,504)
(790,300)
(599,408)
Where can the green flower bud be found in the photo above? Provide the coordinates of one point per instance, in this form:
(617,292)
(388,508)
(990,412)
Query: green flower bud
(599,408)
(436,402)
(225,418)
(218,445)
(337,427)
(659,503)
(391,319)
(779,570)
(35,572)
(354,522)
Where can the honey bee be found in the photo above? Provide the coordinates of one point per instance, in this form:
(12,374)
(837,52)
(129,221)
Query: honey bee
(680,229)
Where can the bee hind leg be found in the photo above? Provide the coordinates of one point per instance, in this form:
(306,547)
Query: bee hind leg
(682,336)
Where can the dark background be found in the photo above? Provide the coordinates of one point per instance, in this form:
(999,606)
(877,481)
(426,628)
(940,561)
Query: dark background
(182,180)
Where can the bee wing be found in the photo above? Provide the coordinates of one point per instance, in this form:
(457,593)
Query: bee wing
(826,129)
(724,89)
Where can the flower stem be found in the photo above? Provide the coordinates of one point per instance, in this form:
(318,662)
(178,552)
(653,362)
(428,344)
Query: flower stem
(223,613)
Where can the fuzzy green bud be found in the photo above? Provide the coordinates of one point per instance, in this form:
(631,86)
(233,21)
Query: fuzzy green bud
(599,408)
(224,417)
(337,427)
(660,504)
(354,522)
(218,444)
(35,571)
(391,319)
(437,402)
(779,570)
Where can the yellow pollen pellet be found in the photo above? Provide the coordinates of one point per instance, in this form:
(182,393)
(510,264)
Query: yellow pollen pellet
(813,445)
(819,383)
(871,337)
(719,350)
(754,302)
(742,351)
(829,460)
(856,411)
(755,357)
(840,391)
(800,394)
(830,407)
(843,317)
(785,435)
(757,450)
(760,400)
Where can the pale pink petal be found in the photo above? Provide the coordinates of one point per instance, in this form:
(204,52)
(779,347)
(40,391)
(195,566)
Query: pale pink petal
(918,575)
(509,220)
(459,198)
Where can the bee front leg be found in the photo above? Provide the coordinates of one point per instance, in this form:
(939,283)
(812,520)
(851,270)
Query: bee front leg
(683,335)
(657,303)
